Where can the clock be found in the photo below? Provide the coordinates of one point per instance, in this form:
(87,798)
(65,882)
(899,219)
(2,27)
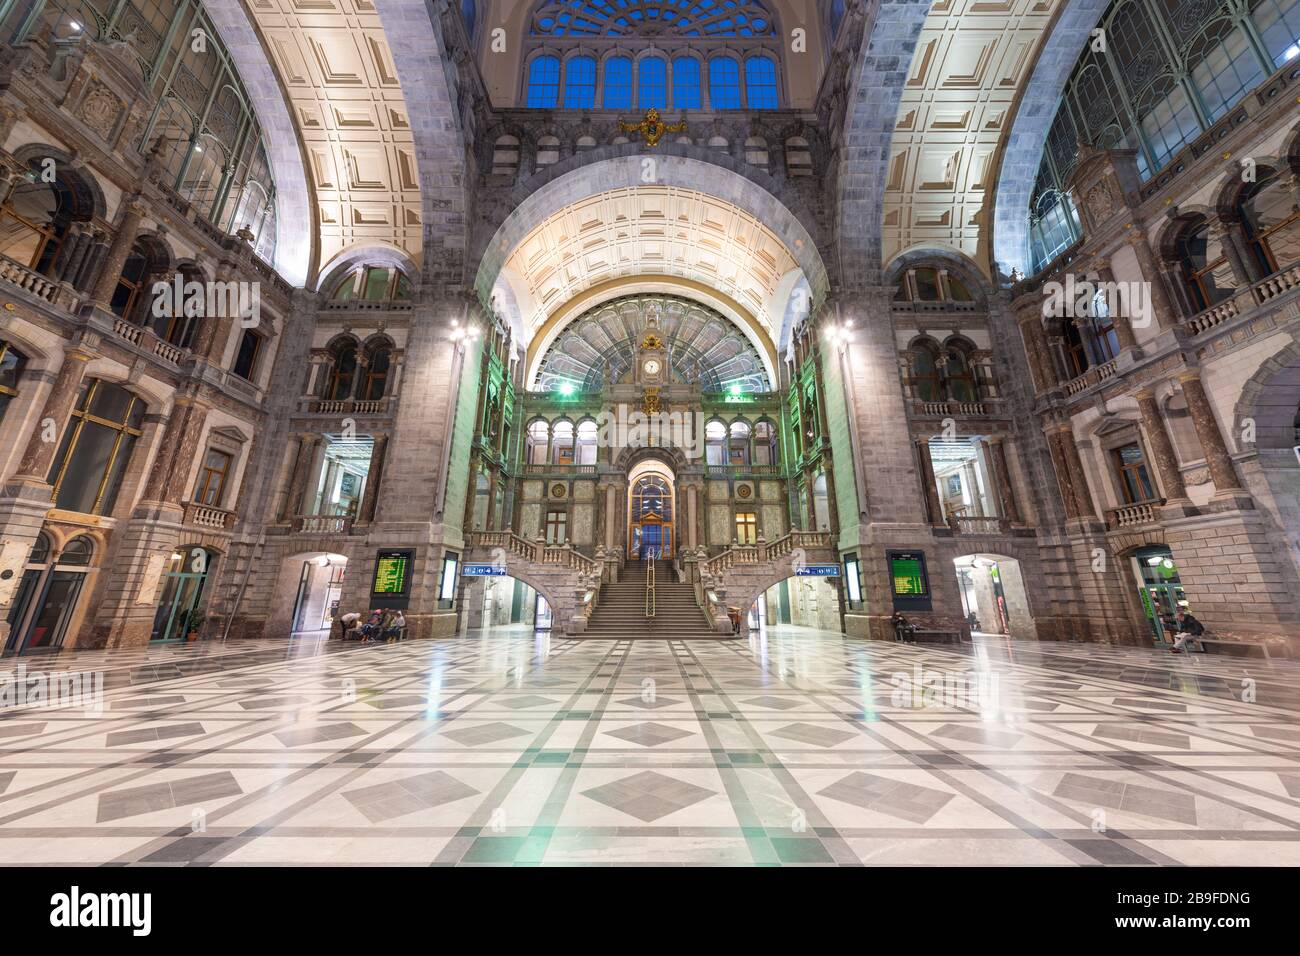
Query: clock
(651,366)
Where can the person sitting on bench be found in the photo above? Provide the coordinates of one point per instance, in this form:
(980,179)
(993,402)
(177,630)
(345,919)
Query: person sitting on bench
(1189,629)
(903,628)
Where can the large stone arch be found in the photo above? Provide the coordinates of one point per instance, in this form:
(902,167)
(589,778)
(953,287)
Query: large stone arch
(1269,401)
(428,77)
(623,167)
(296,248)
(876,84)
(1034,112)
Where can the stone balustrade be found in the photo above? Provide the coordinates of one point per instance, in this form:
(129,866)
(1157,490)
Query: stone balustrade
(1129,516)
(206,516)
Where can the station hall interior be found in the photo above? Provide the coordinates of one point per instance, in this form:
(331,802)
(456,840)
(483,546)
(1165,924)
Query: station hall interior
(617,408)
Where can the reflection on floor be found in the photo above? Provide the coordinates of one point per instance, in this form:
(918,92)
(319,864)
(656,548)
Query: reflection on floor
(796,747)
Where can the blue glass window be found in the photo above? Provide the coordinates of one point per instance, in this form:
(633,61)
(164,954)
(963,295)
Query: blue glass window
(686,83)
(724,83)
(618,83)
(580,83)
(544,82)
(653,89)
(760,83)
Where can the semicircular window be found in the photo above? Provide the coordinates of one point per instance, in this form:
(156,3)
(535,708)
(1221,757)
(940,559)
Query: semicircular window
(701,346)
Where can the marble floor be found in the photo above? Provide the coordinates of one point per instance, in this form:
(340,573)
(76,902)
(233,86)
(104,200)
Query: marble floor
(795,747)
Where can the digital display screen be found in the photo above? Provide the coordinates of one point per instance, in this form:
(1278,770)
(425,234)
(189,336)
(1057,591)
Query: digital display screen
(392,573)
(908,572)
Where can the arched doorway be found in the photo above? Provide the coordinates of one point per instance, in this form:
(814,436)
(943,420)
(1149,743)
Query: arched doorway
(181,608)
(652,510)
(798,604)
(47,597)
(993,596)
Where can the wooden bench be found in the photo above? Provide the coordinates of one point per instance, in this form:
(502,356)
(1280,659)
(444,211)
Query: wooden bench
(1248,648)
(935,637)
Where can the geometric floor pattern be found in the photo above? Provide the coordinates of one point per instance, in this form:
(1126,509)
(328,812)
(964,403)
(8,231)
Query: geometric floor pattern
(796,747)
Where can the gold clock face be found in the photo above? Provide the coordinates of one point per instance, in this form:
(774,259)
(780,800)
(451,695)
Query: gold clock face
(652,367)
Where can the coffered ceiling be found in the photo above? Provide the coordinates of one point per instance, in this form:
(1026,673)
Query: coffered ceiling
(972,59)
(338,73)
(661,231)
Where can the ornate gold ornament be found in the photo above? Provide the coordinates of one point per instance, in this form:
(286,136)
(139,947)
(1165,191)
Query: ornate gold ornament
(652,341)
(651,127)
(651,404)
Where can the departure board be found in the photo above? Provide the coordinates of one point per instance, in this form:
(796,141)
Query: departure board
(392,573)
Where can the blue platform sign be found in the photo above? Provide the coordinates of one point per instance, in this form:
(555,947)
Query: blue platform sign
(483,571)
(817,571)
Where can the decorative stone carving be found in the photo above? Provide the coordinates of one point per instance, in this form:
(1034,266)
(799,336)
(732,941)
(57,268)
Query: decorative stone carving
(1197,476)
(100,110)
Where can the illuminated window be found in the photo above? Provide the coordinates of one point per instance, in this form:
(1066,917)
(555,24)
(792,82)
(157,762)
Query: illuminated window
(724,83)
(652,92)
(686,83)
(746,527)
(618,83)
(580,83)
(211,486)
(544,82)
(760,83)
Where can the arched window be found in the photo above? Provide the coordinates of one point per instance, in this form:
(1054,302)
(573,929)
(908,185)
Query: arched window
(343,372)
(1076,354)
(738,444)
(821,504)
(177,325)
(760,83)
(468,13)
(376,381)
(12,363)
(35,220)
(544,82)
(562,449)
(765,452)
(45,601)
(580,83)
(587,435)
(925,372)
(372,284)
(652,498)
(618,83)
(1205,267)
(505,156)
(1271,222)
(715,443)
(538,442)
(958,380)
(652,90)
(91,462)
(724,83)
(130,293)
(686,83)
(1104,336)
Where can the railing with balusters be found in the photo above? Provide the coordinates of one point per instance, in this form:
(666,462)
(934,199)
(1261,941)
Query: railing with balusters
(650,585)
(323,524)
(747,554)
(206,516)
(1128,516)
(538,552)
(43,287)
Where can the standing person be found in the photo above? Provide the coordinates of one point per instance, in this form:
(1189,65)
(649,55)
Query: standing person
(1189,628)
(350,624)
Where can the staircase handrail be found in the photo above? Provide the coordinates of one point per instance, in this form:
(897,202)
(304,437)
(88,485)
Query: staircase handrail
(650,584)
(758,553)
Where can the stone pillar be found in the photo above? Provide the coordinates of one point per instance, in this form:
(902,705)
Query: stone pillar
(1240,264)
(39,454)
(934,510)
(611,515)
(373,478)
(110,269)
(1162,449)
(214,331)
(1069,472)
(1222,472)
(1121,318)
(997,453)
(176,452)
(692,516)
(1041,367)
(1162,309)
(298,480)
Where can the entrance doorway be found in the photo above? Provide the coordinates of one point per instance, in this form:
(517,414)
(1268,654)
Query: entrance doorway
(993,597)
(180,611)
(1160,588)
(47,596)
(651,512)
(320,586)
(798,602)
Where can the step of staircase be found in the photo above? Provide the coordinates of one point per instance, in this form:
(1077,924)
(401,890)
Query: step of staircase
(620,612)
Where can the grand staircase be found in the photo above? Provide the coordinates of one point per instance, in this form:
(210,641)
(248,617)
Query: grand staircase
(621,612)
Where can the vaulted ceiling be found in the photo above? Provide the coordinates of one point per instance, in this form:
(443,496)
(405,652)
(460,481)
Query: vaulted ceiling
(972,59)
(336,68)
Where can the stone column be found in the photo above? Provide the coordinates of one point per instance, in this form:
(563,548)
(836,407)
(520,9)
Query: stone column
(1241,265)
(1069,472)
(611,515)
(1041,368)
(39,454)
(1121,318)
(1162,449)
(997,453)
(1165,315)
(374,476)
(692,516)
(298,480)
(934,511)
(110,269)
(1222,472)
(176,452)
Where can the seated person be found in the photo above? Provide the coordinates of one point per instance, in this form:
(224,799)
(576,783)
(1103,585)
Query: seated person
(1189,629)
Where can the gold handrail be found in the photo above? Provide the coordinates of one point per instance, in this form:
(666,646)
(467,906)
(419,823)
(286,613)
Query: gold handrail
(650,585)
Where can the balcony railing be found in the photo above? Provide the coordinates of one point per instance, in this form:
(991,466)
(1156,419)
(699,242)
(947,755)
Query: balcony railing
(537,551)
(145,339)
(1262,292)
(1094,375)
(1130,516)
(206,516)
(349,406)
(323,524)
(978,524)
(43,287)
(728,471)
(952,409)
(545,469)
